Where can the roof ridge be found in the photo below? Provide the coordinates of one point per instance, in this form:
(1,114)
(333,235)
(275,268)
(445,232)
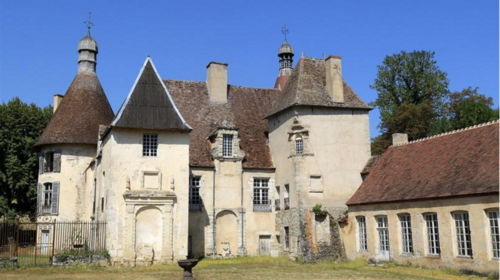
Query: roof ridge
(201,82)
(447,133)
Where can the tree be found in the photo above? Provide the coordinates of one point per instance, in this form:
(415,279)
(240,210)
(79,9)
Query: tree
(20,127)
(466,108)
(411,93)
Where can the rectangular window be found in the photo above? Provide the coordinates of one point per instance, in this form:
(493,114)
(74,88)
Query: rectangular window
(47,198)
(49,159)
(194,194)
(102,204)
(462,228)
(287,197)
(227,145)
(261,200)
(287,237)
(299,146)
(406,238)
(363,246)
(431,222)
(150,145)
(495,239)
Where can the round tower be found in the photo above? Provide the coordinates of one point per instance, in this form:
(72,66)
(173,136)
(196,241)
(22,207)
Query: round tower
(68,145)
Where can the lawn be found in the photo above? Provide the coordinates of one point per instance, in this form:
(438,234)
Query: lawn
(240,268)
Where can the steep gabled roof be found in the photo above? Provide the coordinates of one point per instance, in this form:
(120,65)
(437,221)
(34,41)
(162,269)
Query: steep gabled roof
(149,104)
(307,86)
(459,163)
(77,119)
(245,109)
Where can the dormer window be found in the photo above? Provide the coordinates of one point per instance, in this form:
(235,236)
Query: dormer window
(227,145)
(299,146)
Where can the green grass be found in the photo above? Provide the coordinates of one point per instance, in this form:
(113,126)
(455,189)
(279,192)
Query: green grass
(241,268)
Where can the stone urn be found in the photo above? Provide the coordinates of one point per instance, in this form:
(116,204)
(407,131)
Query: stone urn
(188,265)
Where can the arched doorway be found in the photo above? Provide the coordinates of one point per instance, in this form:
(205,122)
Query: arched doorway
(226,233)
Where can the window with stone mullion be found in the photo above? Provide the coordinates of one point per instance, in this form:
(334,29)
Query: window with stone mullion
(260,192)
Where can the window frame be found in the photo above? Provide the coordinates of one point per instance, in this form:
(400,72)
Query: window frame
(406,234)
(463,235)
(227,145)
(150,144)
(362,236)
(299,145)
(494,249)
(432,234)
(261,191)
(47,194)
(194,191)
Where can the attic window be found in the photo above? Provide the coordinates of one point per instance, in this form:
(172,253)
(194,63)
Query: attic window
(227,145)
(150,145)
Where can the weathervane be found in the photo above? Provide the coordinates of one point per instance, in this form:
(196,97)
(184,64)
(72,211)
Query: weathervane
(89,24)
(284,30)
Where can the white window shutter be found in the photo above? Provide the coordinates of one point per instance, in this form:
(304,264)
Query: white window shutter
(55,198)
(57,161)
(40,163)
(39,199)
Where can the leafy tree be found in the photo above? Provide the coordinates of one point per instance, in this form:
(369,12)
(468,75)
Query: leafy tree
(20,127)
(411,93)
(466,108)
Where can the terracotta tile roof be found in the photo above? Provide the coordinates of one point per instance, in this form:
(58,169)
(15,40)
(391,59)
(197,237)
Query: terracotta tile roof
(307,86)
(77,119)
(245,108)
(460,163)
(148,105)
(370,164)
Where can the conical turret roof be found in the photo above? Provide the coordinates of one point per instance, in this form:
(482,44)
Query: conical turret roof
(77,119)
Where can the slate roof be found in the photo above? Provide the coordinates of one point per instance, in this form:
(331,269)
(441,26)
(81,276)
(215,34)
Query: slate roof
(77,119)
(460,163)
(149,104)
(307,86)
(245,108)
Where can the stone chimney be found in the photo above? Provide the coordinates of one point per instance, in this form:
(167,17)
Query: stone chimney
(217,81)
(334,81)
(399,138)
(57,100)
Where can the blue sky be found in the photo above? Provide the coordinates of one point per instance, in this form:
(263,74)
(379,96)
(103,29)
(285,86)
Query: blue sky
(38,41)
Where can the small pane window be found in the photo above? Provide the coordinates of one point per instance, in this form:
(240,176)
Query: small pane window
(194,191)
(150,145)
(406,236)
(494,234)
(261,191)
(299,146)
(431,222)
(462,228)
(227,145)
(363,246)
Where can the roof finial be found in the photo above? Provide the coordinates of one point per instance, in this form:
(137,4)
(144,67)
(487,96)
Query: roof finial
(284,30)
(89,24)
